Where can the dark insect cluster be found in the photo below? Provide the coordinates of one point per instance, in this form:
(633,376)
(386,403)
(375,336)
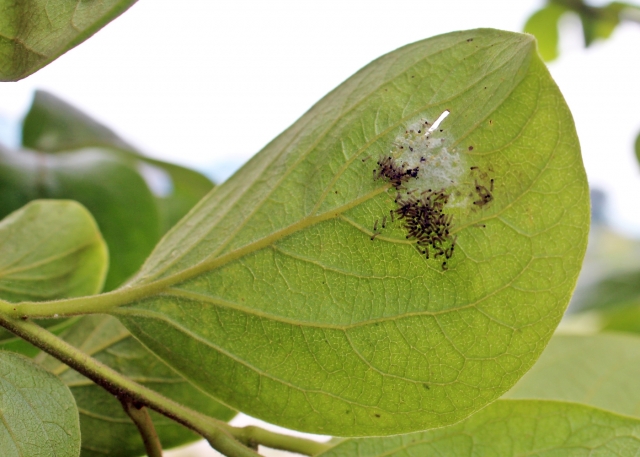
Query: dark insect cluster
(425,221)
(395,173)
(422,214)
(483,190)
(485,195)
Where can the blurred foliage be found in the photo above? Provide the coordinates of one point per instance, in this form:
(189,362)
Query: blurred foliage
(607,297)
(134,199)
(598,22)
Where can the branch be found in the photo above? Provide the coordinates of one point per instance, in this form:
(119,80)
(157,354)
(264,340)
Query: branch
(228,440)
(142,419)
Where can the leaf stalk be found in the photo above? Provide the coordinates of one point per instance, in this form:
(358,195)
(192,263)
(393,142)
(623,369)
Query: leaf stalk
(226,439)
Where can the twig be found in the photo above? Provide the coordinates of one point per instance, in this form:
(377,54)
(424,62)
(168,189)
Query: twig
(140,416)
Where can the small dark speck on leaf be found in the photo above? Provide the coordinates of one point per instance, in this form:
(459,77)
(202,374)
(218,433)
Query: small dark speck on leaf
(490,121)
(377,415)
(469,40)
(426,386)
(470,148)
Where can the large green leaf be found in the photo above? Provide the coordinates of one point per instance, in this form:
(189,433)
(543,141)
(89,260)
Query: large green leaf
(276,296)
(106,429)
(52,125)
(111,189)
(50,249)
(512,428)
(599,370)
(34,33)
(38,417)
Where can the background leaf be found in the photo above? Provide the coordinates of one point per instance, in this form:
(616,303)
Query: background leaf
(275,299)
(50,250)
(598,370)
(109,188)
(623,319)
(52,125)
(598,22)
(512,428)
(543,24)
(616,290)
(34,33)
(106,429)
(38,415)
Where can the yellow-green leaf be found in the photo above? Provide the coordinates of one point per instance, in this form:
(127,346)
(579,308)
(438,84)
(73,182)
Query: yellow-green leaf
(291,295)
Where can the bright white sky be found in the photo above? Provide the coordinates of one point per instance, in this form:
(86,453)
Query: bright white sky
(208,83)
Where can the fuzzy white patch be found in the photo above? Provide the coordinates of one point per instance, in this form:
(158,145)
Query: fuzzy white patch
(424,145)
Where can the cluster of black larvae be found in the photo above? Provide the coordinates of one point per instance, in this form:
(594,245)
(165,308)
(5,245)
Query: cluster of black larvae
(396,174)
(484,193)
(425,221)
(422,214)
